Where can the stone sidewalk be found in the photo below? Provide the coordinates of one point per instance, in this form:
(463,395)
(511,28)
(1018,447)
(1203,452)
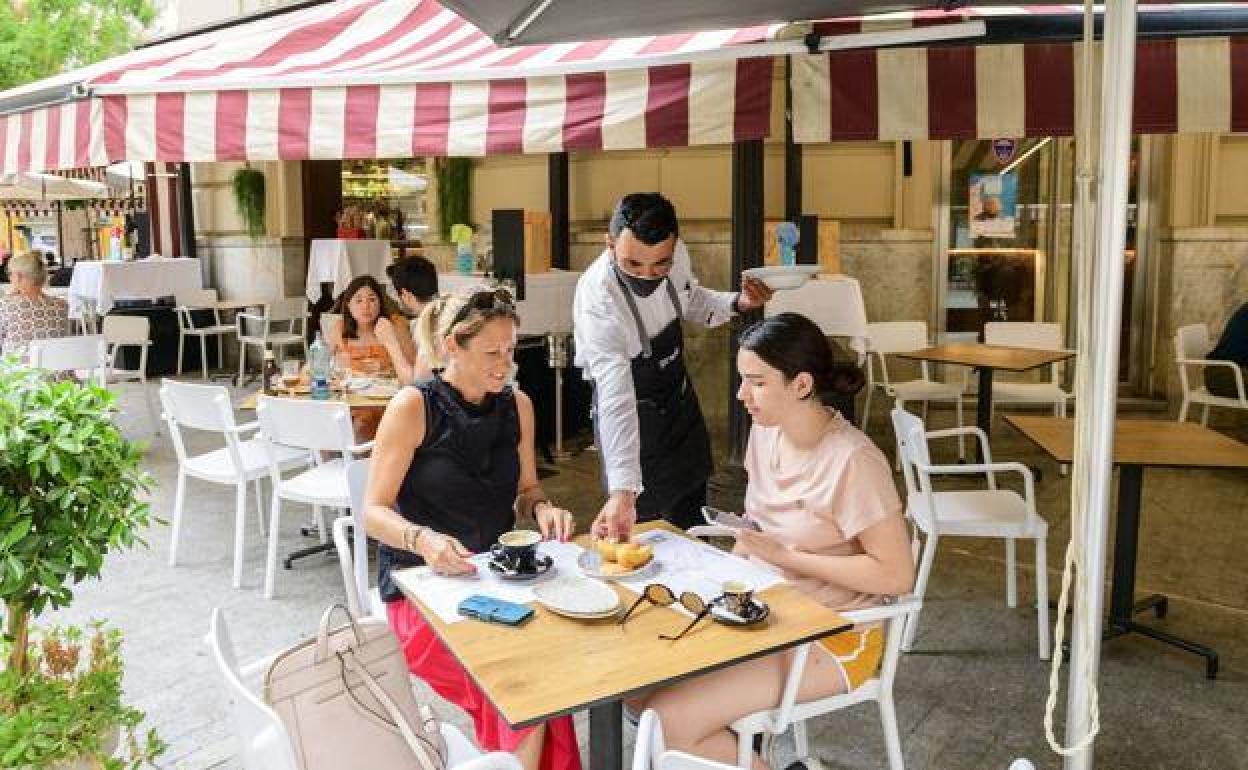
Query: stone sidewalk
(970,696)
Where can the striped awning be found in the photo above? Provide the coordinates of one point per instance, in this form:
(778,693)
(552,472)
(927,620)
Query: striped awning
(396,78)
(1182,84)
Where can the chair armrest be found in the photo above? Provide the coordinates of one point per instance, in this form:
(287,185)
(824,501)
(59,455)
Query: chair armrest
(1235,369)
(244,428)
(1029,480)
(966,430)
(361,449)
(903,606)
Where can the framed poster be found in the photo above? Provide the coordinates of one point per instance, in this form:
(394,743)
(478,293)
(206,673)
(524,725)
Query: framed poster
(993,203)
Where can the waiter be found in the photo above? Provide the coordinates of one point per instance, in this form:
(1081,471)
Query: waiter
(656,453)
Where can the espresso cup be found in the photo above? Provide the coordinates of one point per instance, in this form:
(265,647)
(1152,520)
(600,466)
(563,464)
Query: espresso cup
(517,550)
(738,597)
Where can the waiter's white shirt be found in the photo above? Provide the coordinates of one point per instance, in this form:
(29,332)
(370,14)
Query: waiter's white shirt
(607,341)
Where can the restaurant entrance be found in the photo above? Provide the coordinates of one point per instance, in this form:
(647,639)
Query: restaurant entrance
(1005,238)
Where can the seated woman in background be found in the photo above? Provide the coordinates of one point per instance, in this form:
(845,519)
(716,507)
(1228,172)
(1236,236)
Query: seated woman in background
(831,522)
(372,336)
(27,314)
(415,279)
(453,469)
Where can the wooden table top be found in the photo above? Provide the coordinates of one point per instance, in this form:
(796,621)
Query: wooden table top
(354,400)
(989,356)
(1162,443)
(554,665)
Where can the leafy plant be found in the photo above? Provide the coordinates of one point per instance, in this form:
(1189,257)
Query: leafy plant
(454,177)
(68,705)
(248,185)
(40,38)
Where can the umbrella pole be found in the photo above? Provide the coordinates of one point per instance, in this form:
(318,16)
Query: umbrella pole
(60,232)
(1097,378)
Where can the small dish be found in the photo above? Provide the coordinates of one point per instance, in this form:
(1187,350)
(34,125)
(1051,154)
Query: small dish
(758,613)
(578,597)
(544,565)
(356,384)
(784,276)
(591,564)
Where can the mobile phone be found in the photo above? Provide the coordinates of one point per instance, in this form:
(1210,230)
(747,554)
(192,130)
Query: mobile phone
(493,610)
(716,517)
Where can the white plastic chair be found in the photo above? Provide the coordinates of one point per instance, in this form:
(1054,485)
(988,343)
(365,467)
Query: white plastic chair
(239,462)
(122,331)
(1191,345)
(991,512)
(290,314)
(86,356)
(650,751)
(879,689)
(353,548)
(834,303)
(199,299)
(1026,334)
(327,322)
(891,337)
(315,427)
(264,742)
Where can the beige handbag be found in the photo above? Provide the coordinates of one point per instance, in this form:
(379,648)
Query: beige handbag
(346,699)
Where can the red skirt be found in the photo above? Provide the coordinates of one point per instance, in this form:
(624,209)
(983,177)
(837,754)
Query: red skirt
(429,659)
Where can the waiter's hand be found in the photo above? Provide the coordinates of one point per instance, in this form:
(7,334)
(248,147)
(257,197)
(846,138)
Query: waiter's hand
(616,519)
(754,294)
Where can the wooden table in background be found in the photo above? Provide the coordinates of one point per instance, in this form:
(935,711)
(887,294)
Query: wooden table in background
(354,400)
(984,359)
(554,665)
(1137,445)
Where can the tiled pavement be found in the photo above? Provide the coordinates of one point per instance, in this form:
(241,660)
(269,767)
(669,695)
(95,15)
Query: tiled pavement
(970,696)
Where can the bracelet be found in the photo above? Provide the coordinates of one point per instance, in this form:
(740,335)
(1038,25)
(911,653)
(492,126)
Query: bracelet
(411,536)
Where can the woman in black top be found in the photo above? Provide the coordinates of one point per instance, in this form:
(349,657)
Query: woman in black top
(452,469)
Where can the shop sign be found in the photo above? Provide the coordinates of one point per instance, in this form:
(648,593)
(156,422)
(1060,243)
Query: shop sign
(993,203)
(1004,149)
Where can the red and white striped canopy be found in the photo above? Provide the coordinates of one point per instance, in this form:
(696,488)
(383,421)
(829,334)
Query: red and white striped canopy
(396,78)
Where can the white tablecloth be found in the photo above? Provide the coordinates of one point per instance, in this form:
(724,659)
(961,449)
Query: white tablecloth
(336,261)
(104,282)
(547,303)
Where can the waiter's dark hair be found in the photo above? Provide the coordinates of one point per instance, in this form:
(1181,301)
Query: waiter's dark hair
(417,275)
(793,343)
(650,216)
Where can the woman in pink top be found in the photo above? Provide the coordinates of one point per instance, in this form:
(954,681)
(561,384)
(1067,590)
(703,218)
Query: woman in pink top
(830,520)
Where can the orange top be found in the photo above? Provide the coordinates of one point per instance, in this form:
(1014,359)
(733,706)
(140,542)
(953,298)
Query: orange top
(372,360)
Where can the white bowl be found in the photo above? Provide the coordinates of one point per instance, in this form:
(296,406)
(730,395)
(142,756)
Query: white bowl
(784,276)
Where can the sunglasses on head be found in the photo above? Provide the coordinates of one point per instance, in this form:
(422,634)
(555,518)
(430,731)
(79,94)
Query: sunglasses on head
(662,596)
(486,300)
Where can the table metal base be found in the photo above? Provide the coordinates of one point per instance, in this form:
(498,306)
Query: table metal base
(606,736)
(1123,605)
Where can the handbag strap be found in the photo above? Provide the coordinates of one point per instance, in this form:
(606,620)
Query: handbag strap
(322,633)
(421,747)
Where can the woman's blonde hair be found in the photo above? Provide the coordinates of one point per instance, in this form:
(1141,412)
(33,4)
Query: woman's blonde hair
(461,314)
(30,265)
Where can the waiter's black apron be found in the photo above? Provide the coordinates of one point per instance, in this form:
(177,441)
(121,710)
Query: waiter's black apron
(675,447)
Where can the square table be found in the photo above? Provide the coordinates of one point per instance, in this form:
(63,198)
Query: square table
(101,283)
(1137,445)
(554,665)
(984,359)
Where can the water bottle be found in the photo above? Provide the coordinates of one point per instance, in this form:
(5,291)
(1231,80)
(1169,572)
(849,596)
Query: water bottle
(464,261)
(318,366)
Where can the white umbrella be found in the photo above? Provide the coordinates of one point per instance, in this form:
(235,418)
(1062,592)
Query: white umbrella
(33,186)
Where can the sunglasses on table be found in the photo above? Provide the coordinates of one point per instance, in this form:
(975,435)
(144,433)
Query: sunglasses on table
(662,596)
(486,300)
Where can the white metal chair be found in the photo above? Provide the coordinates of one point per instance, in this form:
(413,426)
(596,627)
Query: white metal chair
(122,331)
(1191,345)
(879,689)
(201,299)
(315,427)
(290,314)
(263,738)
(991,512)
(352,548)
(1026,334)
(263,743)
(86,356)
(891,337)
(241,461)
(834,303)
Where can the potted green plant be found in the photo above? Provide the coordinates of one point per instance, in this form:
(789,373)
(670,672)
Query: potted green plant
(454,177)
(248,186)
(73,493)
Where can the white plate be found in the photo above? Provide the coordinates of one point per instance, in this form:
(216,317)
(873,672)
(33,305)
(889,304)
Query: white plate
(380,390)
(577,597)
(784,276)
(356,384)
(590,563)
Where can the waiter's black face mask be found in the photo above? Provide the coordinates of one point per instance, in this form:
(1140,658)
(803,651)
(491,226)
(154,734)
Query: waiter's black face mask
(642,287)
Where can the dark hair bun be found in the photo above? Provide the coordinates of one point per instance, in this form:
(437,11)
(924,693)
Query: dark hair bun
(792,343)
